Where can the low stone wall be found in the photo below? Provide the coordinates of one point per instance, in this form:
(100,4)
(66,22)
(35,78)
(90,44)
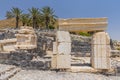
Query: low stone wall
(81,45)
(7,34)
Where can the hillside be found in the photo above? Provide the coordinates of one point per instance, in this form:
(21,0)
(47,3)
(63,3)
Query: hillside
(8,23)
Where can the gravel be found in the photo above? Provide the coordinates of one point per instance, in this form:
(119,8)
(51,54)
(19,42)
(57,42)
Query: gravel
(52,75)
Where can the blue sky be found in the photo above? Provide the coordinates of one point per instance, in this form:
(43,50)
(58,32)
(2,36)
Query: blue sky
(73,9)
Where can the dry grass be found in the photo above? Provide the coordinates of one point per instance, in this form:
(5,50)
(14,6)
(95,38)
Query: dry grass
(8,23)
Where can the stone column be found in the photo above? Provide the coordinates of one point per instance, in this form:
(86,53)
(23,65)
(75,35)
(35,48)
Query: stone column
(61,51)
(100,57)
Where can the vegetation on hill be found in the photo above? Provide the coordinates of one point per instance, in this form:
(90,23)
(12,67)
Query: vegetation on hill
(37,18)
(8,23)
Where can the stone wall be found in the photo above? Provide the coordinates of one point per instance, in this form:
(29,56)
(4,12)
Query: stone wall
(116,44)
(7,34)
(81,45)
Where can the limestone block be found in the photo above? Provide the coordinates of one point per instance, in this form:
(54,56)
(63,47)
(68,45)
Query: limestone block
(26,27)
(83,24)
(7,45)
(61,62)
(101,51)
(26,31)
(63,36)
(64,48)
(26,38)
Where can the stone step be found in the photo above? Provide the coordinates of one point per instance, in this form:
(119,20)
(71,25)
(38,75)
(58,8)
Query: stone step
(9,73)
(5,68)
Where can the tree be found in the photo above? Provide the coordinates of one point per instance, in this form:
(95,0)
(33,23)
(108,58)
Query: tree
(35,13)
(48,16)
(9,15)
(16,13)
(25,18)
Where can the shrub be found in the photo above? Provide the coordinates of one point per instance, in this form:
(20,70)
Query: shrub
(51,27)
(84,34)
(118,48)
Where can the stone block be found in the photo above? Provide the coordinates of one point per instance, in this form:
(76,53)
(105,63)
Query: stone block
(64,48)
(8,45)
(61,62)
(101,63)
(63,36)
(26,38)
(101,51)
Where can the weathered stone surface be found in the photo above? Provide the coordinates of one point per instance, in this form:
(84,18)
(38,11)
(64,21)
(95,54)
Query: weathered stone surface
(64,48)
(8,45)
(83,24)
(101,51)
(26,38)
(63,41)
(62,51)
(80,45)
(63,36)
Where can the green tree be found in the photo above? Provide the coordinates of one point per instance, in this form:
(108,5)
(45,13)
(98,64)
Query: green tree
(25,18)
(48,16)
(16,13)
(35,14)
(9,15)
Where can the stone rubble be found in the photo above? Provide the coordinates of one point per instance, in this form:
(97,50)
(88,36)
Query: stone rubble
(52,75)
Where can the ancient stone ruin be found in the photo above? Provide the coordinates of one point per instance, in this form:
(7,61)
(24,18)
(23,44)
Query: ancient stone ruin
(101,51)
(59,50)
(26,38)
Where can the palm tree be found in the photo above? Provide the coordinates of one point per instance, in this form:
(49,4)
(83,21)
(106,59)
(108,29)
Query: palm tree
(16,13)
(9,15)
(35,13)
(48,16)
(25,18)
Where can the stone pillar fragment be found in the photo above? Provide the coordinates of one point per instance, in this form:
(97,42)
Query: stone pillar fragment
(61,51)
(100,51)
